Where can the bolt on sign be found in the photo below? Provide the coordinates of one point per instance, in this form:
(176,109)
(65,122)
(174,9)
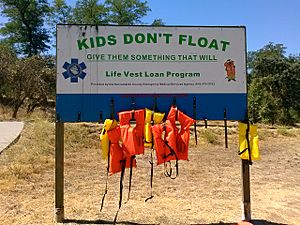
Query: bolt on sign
(205,66)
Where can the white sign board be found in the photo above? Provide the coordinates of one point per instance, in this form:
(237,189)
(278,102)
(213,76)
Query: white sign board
(150,60)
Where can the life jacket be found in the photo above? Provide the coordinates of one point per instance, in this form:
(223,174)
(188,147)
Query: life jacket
(164,152)
(108,125)
(117,156)
(151,118)
(253,140)
(132,137)
(182,136)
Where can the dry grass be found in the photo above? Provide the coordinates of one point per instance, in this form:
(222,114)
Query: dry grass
(286,131)
(207,191)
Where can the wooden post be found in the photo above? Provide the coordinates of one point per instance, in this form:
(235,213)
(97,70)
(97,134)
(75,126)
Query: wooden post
(246,205)
(59,172)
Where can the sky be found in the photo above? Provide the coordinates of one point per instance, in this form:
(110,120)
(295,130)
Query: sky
(266,21)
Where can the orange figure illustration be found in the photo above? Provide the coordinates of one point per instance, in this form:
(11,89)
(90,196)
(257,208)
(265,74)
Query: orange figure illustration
(230,69)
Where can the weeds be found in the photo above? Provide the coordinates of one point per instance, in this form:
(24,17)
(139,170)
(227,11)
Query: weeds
(209,136)
(286,131)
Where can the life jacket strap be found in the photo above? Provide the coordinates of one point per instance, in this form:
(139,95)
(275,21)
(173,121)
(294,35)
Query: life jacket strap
(108,153)
(130,176)
(248,142)
(241,152)
(151,175)
(106,182)
(151,156)
(112,108)
(170,172)
(123,163)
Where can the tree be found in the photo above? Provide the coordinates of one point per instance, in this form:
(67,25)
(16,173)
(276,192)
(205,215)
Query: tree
(60,12)
(157,23)
(25,27)
(126,12)
(7,58)
(28,80)
(89,12)
(274,86)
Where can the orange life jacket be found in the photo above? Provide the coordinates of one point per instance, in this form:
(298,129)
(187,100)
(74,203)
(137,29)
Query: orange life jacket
(117,156)
(181,142)
(163,150)
(132,137)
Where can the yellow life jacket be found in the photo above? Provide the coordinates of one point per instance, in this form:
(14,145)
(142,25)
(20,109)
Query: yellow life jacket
(157,118)
(244,154)
(108,125)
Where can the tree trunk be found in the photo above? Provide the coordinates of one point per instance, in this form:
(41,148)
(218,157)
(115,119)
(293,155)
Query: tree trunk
(17,107)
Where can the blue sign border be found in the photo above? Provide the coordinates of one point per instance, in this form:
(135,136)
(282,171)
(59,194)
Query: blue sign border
(91,107)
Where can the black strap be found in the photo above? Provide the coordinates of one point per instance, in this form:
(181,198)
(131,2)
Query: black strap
(174,101)
(107,173)
(170,172)
(151,156)
(151,176)
(132,116)
(176,114)
(112,105)
(248,142)
(123,163)
(130,176)
(241,152)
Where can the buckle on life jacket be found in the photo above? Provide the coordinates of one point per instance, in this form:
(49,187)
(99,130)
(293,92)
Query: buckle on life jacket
(168,171)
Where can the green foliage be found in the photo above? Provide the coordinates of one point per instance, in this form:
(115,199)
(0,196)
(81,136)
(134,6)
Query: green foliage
(274,86)
(89,12)
(24,29)
(28,80)
(158,22)
(7,58)
(60,12)
(127,12)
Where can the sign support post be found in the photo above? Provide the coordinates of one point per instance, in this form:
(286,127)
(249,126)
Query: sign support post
(59,171)
(246,207)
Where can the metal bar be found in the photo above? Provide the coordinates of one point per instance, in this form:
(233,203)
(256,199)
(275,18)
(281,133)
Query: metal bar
(195,118)
(225,126)
(246,206)
(59,172)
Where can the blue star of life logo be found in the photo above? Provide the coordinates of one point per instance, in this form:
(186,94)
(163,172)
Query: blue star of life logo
(74,70)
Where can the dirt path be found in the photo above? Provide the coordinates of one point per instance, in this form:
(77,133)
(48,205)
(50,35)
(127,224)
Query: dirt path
(207,191)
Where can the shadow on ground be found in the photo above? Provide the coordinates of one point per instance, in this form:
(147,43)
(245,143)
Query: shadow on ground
(254,222)
(102,222)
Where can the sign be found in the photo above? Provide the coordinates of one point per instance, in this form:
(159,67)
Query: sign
(96,64)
